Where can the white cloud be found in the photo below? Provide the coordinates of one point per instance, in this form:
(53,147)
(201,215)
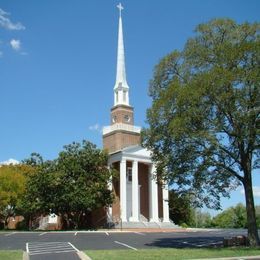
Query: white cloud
(95,127)
(256,191)
(15,44)
(10,161)
(6,23)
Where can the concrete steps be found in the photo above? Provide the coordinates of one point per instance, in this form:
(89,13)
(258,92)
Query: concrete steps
(148,225)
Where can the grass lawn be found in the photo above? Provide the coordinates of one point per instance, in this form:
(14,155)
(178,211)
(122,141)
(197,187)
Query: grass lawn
(172,253)
(11,254)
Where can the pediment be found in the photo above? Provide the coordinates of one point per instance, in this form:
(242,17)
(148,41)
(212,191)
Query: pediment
(137,151)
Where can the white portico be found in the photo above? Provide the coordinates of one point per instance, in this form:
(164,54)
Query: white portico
(138,187)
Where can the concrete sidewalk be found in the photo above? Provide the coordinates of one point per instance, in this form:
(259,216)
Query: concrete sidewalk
(78,255)
(232,258)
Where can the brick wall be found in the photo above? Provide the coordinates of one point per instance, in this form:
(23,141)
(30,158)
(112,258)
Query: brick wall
(118,140)
(116,190)
(118,114)
(143,180)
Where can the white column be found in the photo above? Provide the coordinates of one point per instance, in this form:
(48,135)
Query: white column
(153,195)
(135,192)
(165,195)
(110,187)
(123,190)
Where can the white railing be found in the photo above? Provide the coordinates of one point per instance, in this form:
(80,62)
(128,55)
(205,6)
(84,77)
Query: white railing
(120,126)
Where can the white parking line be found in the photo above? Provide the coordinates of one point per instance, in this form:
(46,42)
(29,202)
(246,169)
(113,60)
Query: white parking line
(73,247)
(9,234)
(72,232)
(107,233)
(43,248)
(40,248)
(45,243)
(42,233)
(126,245)
(54,252)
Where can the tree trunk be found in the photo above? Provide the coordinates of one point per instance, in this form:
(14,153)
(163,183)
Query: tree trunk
(27,220)
(253,237)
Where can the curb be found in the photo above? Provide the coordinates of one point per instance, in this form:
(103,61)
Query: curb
(256,257)
(83,256)
(80,254)
(25,256)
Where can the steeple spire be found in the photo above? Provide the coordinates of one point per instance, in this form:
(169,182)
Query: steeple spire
(122,132)
(121,95)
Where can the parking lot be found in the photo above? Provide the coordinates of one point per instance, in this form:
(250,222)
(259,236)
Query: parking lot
(95,240)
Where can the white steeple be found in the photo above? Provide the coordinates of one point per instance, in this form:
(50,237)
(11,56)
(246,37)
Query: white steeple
(121,88)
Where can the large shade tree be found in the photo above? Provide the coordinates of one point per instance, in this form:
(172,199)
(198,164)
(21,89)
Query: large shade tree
(204,120)
(71,186)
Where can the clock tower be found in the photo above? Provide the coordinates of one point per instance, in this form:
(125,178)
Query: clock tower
(121,133)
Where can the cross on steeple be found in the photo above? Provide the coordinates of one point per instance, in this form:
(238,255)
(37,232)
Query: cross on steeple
(120,7)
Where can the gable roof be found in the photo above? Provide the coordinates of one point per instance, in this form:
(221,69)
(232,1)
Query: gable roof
(135,152)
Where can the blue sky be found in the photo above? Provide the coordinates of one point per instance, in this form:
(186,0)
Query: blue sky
(58,63)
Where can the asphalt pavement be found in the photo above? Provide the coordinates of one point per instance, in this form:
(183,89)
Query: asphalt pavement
(84,240)
(65,245)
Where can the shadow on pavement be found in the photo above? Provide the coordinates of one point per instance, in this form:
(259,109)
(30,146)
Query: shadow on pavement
(188,242)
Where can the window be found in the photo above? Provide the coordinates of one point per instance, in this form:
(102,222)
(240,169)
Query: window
(124,96)
(127,118)
(129,174)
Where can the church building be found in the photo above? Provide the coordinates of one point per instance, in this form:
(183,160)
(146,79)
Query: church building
(139,200)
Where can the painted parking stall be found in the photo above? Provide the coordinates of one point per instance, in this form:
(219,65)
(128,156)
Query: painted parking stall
(51,250)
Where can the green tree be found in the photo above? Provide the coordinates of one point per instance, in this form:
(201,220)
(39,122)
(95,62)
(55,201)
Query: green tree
(39,195)
(180,210)
(12,187)
(204,119)
(233,217)
(201,219)
(71,186)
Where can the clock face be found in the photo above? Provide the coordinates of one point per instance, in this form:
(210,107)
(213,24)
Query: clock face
(127,118)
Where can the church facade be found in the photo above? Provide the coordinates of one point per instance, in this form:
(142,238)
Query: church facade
(139,198)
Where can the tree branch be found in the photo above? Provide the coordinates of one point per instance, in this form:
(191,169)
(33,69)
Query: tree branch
(239,177)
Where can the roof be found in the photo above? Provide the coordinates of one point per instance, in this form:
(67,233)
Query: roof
(131,153)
